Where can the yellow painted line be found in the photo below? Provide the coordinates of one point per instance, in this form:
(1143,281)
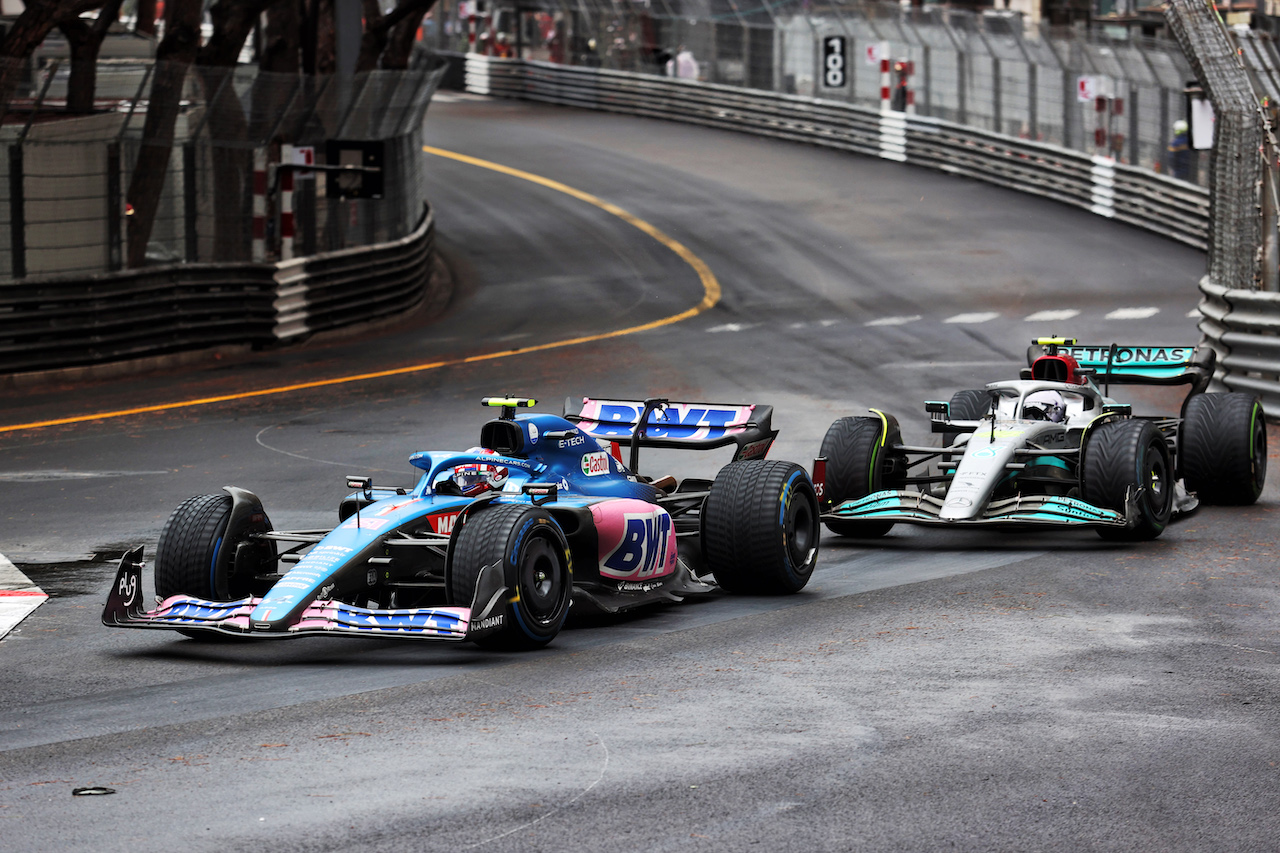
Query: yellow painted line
(710,291)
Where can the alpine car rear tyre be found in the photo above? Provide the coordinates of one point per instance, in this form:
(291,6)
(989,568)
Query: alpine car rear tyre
(1120,458)
(854,451)
(1223,443)
(197,554)
(760,527)
(536,568)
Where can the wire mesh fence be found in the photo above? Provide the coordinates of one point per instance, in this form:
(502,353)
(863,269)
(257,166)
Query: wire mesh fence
(1081,90)
(236,183)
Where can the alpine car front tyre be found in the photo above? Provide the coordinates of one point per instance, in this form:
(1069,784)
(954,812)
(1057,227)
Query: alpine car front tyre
(536,569)
(1223,445)
(854,449)
(760,528)
(1126,458)
(198,555)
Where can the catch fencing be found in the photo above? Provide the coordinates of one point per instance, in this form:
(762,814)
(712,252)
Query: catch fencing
(290,205)
(1240,311)
(235,187)
(1085,91)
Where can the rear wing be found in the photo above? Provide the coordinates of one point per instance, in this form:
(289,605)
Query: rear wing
(1132,364)
(658,422)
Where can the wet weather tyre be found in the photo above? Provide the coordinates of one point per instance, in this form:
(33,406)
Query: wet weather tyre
(1223,444)
(190,544)
(536,569)
(1121,457)
(760,527)
(967,405)
(855,469)
(970,405)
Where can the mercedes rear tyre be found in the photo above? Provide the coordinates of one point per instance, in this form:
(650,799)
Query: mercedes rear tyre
(859,462)
(760,527)
(1124,460)
(1223,445)
(536,569)
(970,405)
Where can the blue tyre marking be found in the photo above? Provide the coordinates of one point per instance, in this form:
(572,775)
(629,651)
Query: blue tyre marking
(213,568)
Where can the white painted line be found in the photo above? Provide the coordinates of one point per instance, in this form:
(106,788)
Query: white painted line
(976,317)
(53,476)
(732,327)
(934,365)
(18,596)
(1049,316)
(1133,313)
(893,321)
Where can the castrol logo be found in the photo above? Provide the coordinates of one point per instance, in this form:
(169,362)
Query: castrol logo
(595,464)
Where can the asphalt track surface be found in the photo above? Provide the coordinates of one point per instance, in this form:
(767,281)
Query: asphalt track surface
(932,691)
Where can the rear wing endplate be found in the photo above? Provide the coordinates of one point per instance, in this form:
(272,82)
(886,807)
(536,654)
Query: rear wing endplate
(1132,364)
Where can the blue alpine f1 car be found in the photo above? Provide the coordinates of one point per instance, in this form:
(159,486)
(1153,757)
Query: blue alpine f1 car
(493,544)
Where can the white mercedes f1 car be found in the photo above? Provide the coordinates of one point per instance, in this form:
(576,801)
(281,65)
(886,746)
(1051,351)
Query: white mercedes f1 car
(1053,449)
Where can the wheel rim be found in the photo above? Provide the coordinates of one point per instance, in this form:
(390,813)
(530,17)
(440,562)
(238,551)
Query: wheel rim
(541,580)
(800,531)
(1258,444)
(1157,480)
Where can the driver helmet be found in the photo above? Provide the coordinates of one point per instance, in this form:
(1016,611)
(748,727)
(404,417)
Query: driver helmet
(1044,406)
(476,477)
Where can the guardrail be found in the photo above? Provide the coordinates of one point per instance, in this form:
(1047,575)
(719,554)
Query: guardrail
(71,322)
(1126,193)
(1243,325)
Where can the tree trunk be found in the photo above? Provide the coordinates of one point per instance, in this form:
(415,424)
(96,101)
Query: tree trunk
(146,17)
(35,22)
(232,163)
(326,38)
(403,37)
(377,28)
(282,38)
(85,42)
(174,57)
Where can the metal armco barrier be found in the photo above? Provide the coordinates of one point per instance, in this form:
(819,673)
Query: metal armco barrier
(1133,195)
(73,322)
(1244,327)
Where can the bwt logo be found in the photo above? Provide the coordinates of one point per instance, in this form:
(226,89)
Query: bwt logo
(643,549)
(674,422)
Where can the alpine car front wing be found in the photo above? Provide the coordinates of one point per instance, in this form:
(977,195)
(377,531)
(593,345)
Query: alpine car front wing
(1030,511)
(125,609)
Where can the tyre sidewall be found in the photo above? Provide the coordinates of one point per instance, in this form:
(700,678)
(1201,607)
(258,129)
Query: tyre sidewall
(852,448)
(1128,454)
(798,526)
(1223,448)
(535,538)
(510,535)
(190,550)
